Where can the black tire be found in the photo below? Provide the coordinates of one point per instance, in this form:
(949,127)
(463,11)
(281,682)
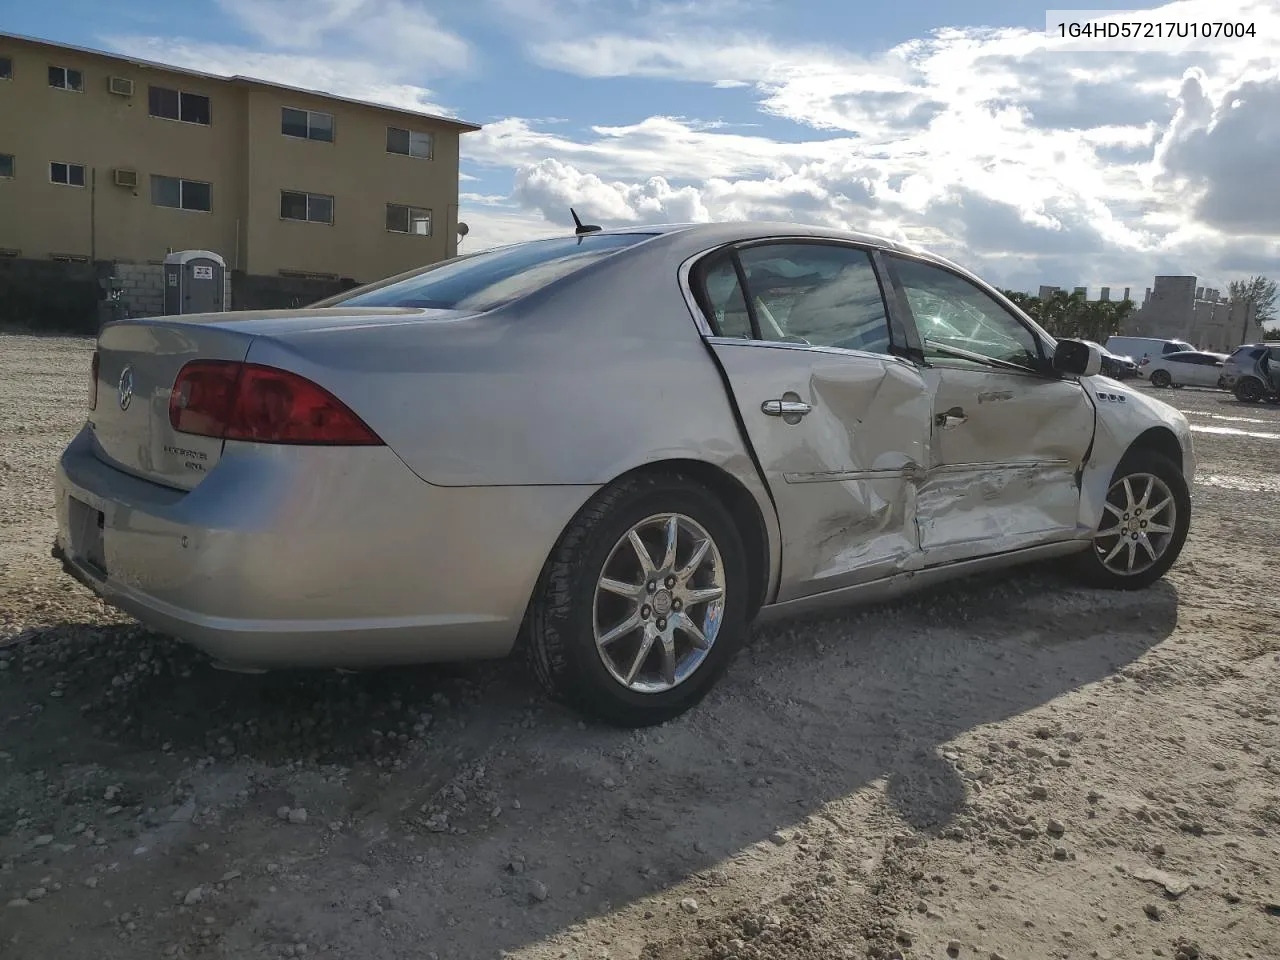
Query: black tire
(560,629)
(1161,379)
(1249,390)
(1088,566)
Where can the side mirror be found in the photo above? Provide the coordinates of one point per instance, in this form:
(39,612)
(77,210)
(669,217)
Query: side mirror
(1077,358)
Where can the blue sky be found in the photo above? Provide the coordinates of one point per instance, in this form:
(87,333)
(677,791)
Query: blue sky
(955,126)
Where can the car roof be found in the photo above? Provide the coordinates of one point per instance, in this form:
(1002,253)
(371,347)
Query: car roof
(730,230)
(708,235)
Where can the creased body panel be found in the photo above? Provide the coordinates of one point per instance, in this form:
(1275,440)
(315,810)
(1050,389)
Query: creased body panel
(840,474)
(325,556)
(1003,474)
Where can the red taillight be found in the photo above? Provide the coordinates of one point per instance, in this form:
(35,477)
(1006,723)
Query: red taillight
(94,366)
(247,401)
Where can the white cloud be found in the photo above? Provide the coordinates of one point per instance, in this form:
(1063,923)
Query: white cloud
(988,144)
(391,33)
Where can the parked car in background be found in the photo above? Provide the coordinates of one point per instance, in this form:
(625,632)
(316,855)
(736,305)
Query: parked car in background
(607,451)
(1186,368)
(1252,372)
(1150,347)
(1114,366)
(1118,366)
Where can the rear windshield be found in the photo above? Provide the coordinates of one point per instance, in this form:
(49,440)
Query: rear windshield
(488,280)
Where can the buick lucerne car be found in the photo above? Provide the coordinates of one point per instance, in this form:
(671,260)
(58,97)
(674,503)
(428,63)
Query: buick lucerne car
(609,451)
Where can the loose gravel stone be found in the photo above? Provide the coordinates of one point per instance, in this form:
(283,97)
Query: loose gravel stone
(689,905)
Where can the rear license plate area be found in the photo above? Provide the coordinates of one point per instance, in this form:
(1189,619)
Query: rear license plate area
(87,536)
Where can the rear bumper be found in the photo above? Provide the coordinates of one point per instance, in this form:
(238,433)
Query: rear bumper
(311,556)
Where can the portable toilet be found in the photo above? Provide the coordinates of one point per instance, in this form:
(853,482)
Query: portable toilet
(193,282)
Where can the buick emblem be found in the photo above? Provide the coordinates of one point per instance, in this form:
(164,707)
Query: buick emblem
(125,388)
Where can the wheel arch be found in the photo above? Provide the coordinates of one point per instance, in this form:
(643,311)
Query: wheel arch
(742,505)
(1161,440)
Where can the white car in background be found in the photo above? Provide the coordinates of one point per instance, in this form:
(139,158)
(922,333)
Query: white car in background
(1186,368)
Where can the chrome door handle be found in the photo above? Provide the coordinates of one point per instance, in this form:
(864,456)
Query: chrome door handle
(951,419)
(785,408)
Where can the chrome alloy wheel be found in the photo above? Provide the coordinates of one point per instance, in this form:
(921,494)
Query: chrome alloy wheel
(655,621)
(1145,517)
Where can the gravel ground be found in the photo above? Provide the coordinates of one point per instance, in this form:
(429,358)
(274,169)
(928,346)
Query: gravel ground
(1014,767)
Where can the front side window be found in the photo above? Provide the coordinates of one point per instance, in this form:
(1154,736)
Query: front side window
(487,280)
(68,174)
(311,207)
(170,104)
(181,194)
(402,218)
(66,79)
(306,124)
(953,315)
(410,143)
(819,294)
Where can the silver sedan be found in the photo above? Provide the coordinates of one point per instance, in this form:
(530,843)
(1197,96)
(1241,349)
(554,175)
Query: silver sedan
(611,451)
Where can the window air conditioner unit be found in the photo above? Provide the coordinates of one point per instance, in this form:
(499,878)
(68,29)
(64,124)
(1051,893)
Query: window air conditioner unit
(121,86)
(125,177)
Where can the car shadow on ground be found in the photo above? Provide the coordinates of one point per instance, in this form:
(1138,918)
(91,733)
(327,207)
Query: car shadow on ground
(461,787)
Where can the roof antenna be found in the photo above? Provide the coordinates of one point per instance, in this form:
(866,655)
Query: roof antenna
(579,228)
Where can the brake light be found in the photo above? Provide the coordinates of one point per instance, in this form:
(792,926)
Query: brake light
(94,366)
(249,401)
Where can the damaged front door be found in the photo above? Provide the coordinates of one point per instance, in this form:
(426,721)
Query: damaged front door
(840,425)
(1009,435)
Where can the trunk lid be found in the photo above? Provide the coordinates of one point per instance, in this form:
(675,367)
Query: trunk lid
(138,362)
(134,434)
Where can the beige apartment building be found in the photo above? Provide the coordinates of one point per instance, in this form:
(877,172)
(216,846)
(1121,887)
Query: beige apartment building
(108,158)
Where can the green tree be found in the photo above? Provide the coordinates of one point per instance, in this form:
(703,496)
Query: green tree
(1258,291)
(1065,314)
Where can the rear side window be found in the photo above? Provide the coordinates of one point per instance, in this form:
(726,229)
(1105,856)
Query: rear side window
(487,280)
(723,300)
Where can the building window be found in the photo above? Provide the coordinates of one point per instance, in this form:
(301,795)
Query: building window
(65,79)
(410,143)
(6,68)
(312,207)
(181,194)
(6,166)
(69,174)
(170,104)
(405,219)
(306,124)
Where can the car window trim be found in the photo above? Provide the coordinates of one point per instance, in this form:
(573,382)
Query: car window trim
(1041,337)
(693,274)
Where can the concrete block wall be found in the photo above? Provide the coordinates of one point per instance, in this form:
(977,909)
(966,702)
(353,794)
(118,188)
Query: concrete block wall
(141,288)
